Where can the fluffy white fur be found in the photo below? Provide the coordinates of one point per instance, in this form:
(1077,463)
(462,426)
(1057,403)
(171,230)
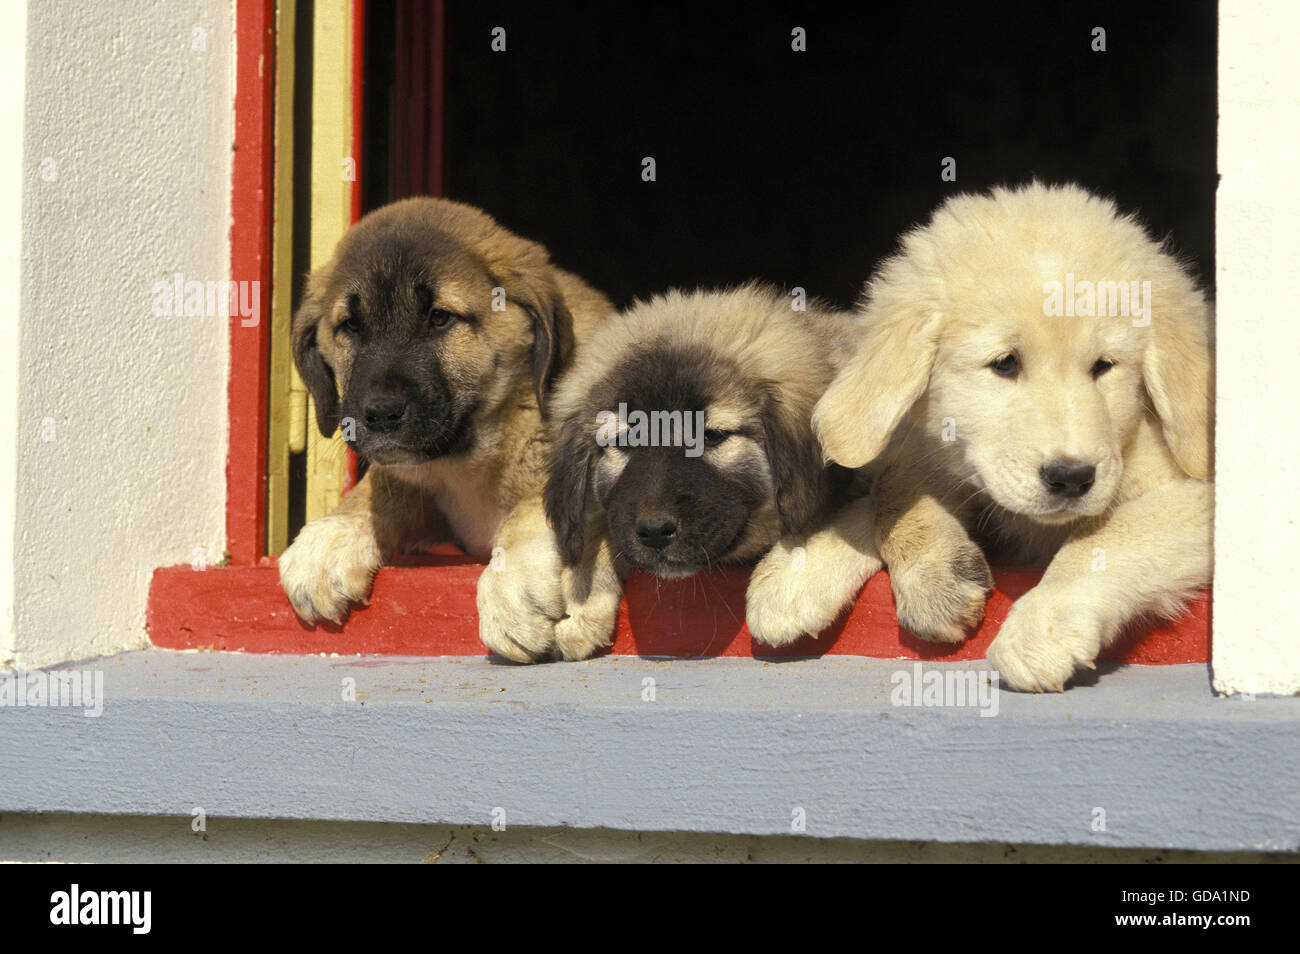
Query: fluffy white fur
(954,447)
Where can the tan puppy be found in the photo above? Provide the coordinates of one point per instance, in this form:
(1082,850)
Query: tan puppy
(433,337)
(684,441)
(1035,384)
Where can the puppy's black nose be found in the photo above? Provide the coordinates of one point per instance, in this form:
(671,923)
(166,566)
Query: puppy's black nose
(1067,477)
(384,414)
(656,530)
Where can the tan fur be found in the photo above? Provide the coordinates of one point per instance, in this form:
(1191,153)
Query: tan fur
(955,448)
(487,498)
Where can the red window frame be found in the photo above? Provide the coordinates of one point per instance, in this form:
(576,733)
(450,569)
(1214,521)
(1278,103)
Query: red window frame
(250,259)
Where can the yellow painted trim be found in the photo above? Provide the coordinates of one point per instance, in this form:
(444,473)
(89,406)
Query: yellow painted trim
(287,397)
(331,206)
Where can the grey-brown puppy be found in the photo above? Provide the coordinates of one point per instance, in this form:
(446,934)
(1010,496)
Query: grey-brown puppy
(684,437)
(433,337)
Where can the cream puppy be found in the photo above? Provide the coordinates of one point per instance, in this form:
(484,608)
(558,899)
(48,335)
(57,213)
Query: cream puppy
(1034,386)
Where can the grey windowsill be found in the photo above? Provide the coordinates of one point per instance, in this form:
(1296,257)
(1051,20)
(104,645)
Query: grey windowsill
(728,745)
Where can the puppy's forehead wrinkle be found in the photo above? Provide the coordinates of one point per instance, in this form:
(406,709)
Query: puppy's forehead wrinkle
(394,256)
(665,378)
(991,326)
(378,294)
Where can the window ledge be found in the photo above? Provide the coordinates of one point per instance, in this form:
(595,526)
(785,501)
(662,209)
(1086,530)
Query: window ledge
(427,608)
(727,745)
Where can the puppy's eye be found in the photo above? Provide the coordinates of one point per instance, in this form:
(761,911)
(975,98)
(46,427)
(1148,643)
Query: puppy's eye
(441,317)
(1008,366)
(349,327)
(713,438)
(1101,367)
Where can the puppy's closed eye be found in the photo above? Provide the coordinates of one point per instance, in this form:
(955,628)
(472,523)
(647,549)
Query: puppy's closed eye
(351,326)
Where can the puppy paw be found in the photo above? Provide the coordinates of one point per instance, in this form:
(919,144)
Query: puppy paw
(775,610)
(330,566)
(800,590)
(942,599)
(1047,636)
(520,601)
(587,629)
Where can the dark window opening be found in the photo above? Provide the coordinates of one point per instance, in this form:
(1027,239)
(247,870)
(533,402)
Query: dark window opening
(798,168)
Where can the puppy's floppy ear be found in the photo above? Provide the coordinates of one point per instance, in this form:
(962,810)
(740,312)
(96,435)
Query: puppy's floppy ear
(315,373)
(530,280)
(878,386)
(1179,375)
(795,458)
(565,497)
(552,339)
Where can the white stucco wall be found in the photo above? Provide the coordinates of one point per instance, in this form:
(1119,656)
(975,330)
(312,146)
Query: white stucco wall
(1257,513)
(121,415)
(12,39)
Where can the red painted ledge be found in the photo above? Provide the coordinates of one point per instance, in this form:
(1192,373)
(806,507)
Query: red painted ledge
(426,608)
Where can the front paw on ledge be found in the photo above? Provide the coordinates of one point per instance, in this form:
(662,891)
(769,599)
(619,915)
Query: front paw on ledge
(793,594)
(1047,637)
(523,614)
(330,566)
(517,611)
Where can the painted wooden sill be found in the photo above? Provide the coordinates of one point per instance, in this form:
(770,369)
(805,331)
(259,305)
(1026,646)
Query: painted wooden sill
(427,608)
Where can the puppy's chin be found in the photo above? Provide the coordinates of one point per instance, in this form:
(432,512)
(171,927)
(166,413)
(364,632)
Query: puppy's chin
(393,456)
(670,564)
(668,570)
(1052,518)
(389,451)
(678,561)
